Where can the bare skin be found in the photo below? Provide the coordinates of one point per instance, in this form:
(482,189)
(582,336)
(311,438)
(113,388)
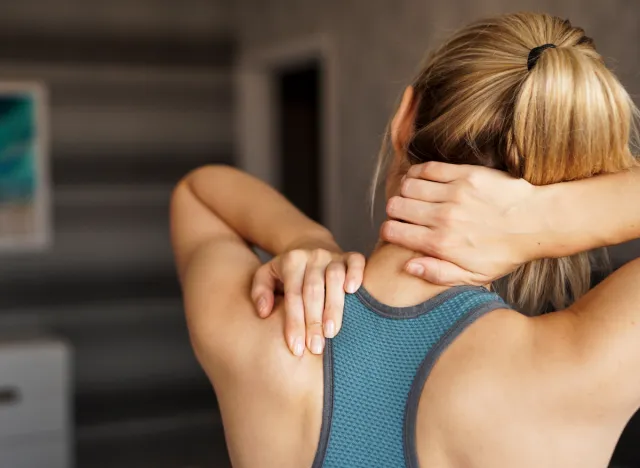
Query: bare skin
(552,391)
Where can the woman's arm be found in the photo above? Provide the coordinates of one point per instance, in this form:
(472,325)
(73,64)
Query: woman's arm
(250,208)
(478,224)
(587,214)
(216,210)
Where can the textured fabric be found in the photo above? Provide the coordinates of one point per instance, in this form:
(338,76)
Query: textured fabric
(372,364)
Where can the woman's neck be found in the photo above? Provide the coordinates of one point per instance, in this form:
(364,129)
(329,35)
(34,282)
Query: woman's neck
(387,281)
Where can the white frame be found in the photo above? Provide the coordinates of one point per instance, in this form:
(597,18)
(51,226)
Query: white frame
(42,236)
(256,129)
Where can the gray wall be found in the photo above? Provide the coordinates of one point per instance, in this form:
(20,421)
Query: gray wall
(132,103)
(139,17)
(380,44)
(140,93)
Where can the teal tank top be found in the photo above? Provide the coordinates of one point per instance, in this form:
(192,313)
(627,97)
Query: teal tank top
(375,370)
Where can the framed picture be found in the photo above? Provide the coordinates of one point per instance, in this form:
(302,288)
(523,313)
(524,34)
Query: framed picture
(25,193)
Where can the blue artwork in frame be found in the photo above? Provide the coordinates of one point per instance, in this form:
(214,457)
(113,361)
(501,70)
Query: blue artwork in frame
(24,179)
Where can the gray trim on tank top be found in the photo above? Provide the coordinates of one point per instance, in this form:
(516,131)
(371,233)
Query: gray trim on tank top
(415,311)
(411,408)
(327,406)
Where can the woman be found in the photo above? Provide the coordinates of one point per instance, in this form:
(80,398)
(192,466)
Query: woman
(423,374)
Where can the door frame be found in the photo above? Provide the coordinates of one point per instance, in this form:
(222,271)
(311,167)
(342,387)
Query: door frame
(256,123)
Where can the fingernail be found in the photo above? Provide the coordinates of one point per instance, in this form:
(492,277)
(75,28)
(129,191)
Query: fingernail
(316,344)
(351,287)
(329,329)
(262,304)
(298,347)
(415,269)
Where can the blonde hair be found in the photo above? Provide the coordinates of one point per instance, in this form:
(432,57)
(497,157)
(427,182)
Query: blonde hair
(567,118)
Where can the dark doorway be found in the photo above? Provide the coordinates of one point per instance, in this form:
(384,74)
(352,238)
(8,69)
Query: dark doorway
(299,143)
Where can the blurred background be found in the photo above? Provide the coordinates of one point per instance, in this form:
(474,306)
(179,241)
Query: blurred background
(136,94)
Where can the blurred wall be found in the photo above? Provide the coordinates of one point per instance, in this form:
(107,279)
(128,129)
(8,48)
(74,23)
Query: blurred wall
(379,46)
(139,93)
(152,18)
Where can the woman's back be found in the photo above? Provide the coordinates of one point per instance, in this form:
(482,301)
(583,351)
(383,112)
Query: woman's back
(375,370)
(505,390)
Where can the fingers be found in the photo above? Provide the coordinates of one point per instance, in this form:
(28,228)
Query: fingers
(355,272)
(314,289)
(337,283)
(443,273)
(438,172)
(427,191)
(314,300)
(413,237)
(413,211)
(334,302)
(263,288)
(293,272)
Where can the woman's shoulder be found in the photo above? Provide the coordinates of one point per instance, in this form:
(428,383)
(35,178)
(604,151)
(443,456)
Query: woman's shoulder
(240,348)
(514,379)
(266,394)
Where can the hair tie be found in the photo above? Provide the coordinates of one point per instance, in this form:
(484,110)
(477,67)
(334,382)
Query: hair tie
(535,53)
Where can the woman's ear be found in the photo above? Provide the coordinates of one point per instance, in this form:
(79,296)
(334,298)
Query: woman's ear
(402,125)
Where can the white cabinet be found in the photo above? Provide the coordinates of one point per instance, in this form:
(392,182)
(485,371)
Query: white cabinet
(35,403)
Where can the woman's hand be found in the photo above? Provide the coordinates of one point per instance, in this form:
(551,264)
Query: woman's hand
(475,224)
(314,283)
